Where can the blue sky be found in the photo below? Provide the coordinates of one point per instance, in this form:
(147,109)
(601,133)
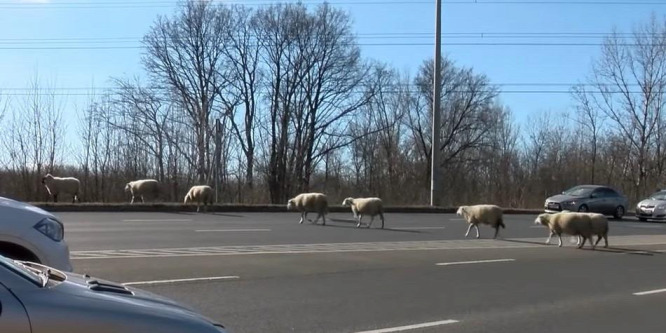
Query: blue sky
(24,22)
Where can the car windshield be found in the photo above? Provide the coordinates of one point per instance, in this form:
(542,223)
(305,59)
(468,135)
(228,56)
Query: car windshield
(579,191)
(22,270)
(658,196)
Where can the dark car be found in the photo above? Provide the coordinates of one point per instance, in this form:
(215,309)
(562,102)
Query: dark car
(589,198)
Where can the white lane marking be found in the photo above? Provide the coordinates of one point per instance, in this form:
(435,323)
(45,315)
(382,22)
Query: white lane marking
(650,292)
(159,220)
(412,327)
(232,230)
(473,262)
(460,244)
(213,278)
(418,228)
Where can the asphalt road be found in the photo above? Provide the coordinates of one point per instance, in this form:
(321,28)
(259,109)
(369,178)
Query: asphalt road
(266,273)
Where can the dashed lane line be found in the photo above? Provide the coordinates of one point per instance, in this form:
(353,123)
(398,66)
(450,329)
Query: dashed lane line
(212,278)
(473,262)
(412,327)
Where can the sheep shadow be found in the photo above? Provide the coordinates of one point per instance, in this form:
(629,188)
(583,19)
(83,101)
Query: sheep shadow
(620,250)
(600,248)
(373,228)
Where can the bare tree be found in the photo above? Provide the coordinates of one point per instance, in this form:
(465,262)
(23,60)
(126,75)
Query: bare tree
(629,85)
(185,54)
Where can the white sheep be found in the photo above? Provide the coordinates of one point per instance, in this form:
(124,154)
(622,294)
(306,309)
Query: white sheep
(143,188)
(309,202)
(575,224)
(599,227)
(365,206)
(484,214)
(200,193)
(57,185)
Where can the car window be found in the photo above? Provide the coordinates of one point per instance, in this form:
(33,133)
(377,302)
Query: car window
(579,191)
(658,195)
(608,193)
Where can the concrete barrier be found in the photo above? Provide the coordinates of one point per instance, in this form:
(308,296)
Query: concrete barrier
(258,208)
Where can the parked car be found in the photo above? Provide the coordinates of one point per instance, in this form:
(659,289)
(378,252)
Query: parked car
(37,298)
(652,208)
(589,198)
(32,234)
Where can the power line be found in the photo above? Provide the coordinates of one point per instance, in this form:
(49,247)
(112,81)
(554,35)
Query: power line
(162,4)
(506,84)
(567,44)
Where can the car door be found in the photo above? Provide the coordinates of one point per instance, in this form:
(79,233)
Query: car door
(595,203)
(13,317)
(608,202)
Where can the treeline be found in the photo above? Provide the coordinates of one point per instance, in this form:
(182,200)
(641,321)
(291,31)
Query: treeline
(300,109)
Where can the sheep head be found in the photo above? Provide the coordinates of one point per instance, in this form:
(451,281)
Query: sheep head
(348,201)
(187,198)
(47,177)
(542,219)
(290,204)
(462,211)
(128,187)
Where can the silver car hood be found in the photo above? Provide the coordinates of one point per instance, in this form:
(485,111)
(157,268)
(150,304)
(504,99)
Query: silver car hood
(651,202)
(562,198)
(86,302)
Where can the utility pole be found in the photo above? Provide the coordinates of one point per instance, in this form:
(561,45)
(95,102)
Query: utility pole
(218,157)
(436,116)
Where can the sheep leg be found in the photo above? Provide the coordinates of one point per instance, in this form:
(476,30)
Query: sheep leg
(549,237)
(372,219)
(197,208)
(359,218)
(496,231)
(382,216)
(302,218)
(605,240)
(323,218)
(476,226)
(581,245)
(468,229)
(559,237)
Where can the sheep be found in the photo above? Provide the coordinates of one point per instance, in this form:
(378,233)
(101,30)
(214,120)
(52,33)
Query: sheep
(365,206)
(56,185)
(142,188)
(309,202)
(575,224)
(200,193)
(599,228)
(484,214)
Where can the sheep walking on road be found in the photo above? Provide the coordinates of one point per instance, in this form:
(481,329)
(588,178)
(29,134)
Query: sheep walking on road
(142,189)
(575,224)
(57,185)
(482,214)
(309,202)
(200,194)
(365,206)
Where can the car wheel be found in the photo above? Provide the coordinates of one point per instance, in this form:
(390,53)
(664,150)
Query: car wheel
(619,212)
(642,219)
(583,209)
